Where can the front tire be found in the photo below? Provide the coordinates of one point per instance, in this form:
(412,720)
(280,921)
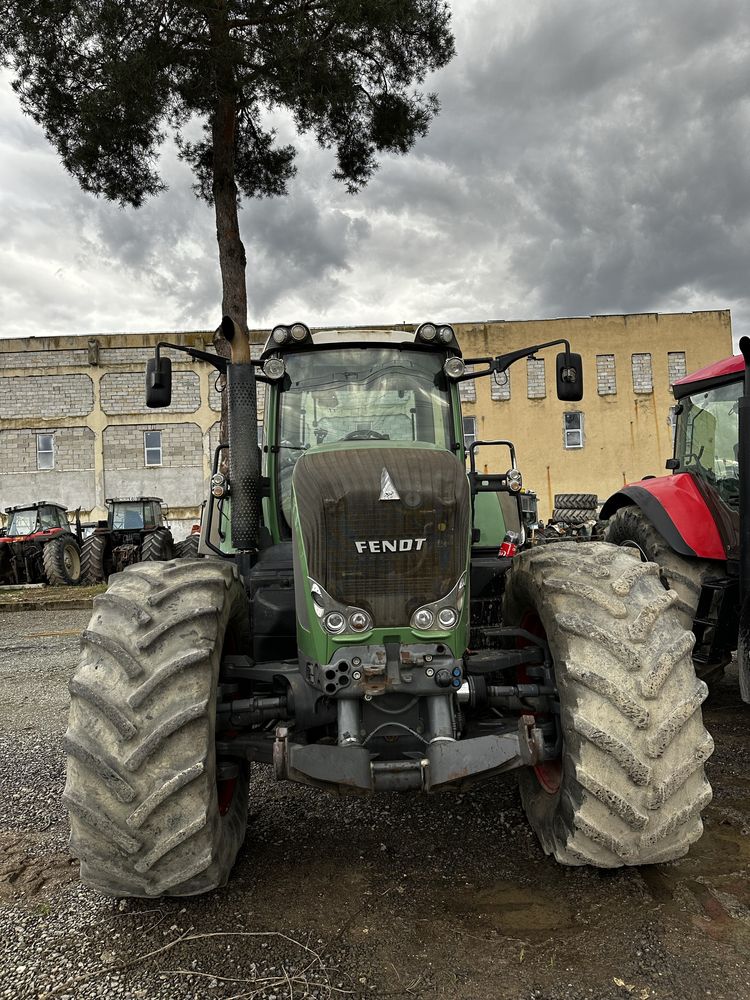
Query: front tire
(630,785)
(146,815)
(61,558)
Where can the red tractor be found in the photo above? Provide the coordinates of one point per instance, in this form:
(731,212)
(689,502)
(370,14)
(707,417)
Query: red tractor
(40,546)
(694,523)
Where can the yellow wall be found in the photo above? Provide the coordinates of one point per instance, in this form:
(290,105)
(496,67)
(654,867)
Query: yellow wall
(627,435)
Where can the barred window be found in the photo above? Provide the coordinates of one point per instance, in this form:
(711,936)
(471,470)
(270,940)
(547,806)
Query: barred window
(573,430)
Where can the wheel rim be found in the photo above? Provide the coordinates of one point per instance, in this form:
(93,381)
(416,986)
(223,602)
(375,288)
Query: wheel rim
(72,561)
(548,772)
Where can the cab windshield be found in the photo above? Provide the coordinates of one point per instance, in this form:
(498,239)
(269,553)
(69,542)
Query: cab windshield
(23,522)
(707,439)
(360,394)
(127,517)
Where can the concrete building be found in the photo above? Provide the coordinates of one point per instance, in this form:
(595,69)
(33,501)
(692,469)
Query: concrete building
(622,428)
(74,427)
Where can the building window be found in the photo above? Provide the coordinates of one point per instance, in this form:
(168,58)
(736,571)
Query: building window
(500,386)
(606,377)
(536,382)
(467,391)
(643,376)
(573,430)
(677,366)
(45,451)
(470,431)
(152,447)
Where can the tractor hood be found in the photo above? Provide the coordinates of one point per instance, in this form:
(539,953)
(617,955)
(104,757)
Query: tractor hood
(383,528)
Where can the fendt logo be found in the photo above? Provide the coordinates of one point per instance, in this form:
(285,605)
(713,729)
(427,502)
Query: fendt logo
(391,545)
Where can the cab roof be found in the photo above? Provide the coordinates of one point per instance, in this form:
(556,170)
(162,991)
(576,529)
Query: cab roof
(360,337)
(35,506)
(717,373)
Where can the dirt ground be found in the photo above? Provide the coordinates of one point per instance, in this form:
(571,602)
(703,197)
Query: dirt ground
(445,897)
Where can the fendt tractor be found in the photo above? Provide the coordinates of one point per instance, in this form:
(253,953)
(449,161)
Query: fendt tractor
(694,523)
(134,531)
(40,546)
(328,632)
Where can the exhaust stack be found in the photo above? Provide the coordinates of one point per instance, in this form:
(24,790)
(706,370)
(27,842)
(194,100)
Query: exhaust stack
(244,456)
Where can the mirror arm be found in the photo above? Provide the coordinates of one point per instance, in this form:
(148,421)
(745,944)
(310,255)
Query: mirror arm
(216,360)
(502,362)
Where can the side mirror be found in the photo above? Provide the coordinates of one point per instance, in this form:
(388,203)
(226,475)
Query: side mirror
(569,369)
(158,382)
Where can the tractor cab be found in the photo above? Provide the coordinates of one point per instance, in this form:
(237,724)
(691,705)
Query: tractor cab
(30,519)
(39,545)
(707,441)
(134,514)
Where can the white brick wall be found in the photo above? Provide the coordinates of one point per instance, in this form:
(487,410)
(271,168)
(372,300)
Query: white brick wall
(181,445)
(500,386)
(124,392)
(467,391)
(643,376)
(536,383)
(73,449)
(677,366)
(606,375)
(43,359)
(46,396)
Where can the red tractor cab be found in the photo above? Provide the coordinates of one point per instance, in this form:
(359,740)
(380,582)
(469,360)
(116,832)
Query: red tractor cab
(690,522)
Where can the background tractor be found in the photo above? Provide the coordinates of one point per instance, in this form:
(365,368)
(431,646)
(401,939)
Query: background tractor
(353,628)
(691,523)
(39,546)
(135,531)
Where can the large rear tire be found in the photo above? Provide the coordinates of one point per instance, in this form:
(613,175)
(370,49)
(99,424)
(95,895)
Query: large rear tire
(188,547)
(629,526)
(157,546)
(630,785)
(146,815)
(61,557)
(94,559)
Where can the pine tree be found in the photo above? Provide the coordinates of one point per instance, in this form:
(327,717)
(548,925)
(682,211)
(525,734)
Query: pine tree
(110,80)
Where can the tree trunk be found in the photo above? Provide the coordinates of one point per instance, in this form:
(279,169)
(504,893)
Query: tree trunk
(232,259)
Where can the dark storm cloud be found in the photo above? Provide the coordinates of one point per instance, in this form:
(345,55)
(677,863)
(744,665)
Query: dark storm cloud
(591,156)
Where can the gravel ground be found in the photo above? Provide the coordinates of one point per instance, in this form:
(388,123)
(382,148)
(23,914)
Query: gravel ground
(399,897)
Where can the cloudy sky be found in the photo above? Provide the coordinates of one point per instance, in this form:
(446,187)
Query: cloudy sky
(592,156)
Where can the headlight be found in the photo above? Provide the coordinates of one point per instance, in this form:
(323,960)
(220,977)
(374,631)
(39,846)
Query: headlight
(218,485)
(446,334)
(422,619)
(280,335)
(448,617)
(300,332)
(514,480)
(454,367)
(359,621)
(334,622)
(427,331)
(274,368)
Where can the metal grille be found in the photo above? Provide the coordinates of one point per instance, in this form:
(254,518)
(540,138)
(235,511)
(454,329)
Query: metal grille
(387,556)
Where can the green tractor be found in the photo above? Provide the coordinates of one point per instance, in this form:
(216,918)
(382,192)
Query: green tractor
(354,628)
